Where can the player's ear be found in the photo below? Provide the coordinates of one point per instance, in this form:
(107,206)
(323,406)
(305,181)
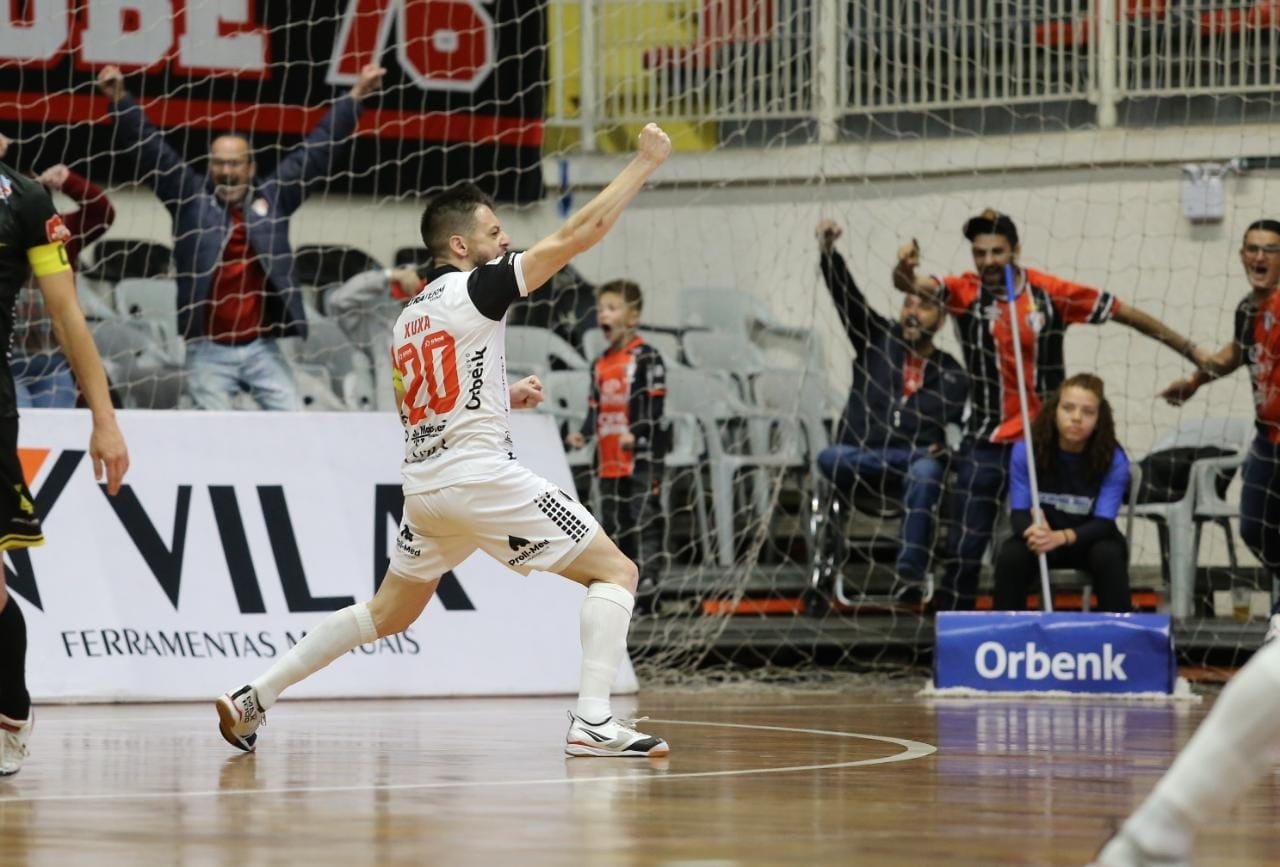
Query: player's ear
(458,246)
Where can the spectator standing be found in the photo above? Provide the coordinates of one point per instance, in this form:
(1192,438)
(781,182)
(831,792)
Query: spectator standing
(236,290)
(624,417)
(1045,306)
(1256,343)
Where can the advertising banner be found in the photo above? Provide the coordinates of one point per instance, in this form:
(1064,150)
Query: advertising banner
(463,98)
(237,532)
(1020,651)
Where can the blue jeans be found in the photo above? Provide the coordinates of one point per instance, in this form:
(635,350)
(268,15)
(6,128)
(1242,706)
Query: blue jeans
(982,477)
(216,373)
(921,476)
(43,380)
(1260,505)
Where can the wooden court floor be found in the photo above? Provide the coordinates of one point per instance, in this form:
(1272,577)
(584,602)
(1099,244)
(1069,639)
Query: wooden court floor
(876,776)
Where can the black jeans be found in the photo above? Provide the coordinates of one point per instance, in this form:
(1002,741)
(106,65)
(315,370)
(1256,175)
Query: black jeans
(632,516)
(1106,560)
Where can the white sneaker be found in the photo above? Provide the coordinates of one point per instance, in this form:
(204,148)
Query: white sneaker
(1273,629)
(611,738)
(13,743)
(1123,851)
(239,716)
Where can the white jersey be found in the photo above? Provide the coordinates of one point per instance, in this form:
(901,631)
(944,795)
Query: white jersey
(448,348)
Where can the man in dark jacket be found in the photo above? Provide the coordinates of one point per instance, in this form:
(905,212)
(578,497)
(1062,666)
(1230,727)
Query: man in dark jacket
(905,392)
(236,291)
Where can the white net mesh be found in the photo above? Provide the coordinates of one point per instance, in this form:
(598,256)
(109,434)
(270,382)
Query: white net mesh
(1104,129)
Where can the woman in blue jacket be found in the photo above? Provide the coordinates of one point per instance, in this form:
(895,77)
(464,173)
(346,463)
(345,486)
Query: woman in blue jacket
(1083,475)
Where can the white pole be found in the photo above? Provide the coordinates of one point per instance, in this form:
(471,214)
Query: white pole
(1046,600)
(587,75)
(826,30)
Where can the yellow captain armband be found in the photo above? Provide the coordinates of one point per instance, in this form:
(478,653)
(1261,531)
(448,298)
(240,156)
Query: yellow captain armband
(48,259)
(396,379)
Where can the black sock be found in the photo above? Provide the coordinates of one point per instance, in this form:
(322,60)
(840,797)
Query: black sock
(15,702)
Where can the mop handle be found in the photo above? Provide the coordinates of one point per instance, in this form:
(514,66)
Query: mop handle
(1046,600)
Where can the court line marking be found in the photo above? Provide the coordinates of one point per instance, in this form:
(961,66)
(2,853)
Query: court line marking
(910,750)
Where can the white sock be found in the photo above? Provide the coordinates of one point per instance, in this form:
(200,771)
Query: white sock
(606,616)
(338,633)
(1222,760)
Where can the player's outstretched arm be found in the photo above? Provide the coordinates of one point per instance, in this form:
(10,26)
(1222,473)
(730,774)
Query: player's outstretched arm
(584,229)
(107,448)
(905,278)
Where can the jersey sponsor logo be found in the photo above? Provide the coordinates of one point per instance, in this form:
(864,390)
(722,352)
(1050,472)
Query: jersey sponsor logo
(475,365)
(404,542)
(526,550)
(56,231)
(417,326)
(424,432)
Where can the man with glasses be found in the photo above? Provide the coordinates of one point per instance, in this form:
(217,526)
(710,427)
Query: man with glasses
(236,290)
(1256,342)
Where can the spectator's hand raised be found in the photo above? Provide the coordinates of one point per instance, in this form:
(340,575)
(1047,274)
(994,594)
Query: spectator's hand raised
(909,255)
(111,82)
(828,232)
(410,282)
(368,80)
(54,176)
(575,440)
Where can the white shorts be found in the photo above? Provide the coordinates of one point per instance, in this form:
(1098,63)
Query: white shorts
(517,517)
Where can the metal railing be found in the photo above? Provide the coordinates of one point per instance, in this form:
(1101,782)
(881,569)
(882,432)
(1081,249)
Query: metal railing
(699,61)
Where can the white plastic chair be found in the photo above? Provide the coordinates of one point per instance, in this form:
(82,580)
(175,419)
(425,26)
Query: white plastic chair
(1180,517)
(738,438)
(148,298)
(537,349)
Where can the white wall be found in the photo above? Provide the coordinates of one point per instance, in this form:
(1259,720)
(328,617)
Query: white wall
(1102,209)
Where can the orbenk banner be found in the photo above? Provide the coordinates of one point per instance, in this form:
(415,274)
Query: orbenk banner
(234,534)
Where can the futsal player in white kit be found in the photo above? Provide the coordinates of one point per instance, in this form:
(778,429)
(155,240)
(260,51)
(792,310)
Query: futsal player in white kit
(463,487)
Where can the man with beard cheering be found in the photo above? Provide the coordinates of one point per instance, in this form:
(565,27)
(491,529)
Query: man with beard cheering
(905,392)
(1045,306)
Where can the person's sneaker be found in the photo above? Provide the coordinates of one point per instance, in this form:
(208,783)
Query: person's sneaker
(239,716)
(13,743)
(1123,851)
(1273,629)
(613,737)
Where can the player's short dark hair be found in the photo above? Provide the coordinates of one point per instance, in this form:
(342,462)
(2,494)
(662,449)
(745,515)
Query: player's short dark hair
(628,289)
(1264,225)
(991,222)
(453,212)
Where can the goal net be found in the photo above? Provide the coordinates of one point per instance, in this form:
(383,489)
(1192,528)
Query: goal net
(1127,140)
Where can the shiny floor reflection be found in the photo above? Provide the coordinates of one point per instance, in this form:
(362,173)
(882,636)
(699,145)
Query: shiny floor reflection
(800,778)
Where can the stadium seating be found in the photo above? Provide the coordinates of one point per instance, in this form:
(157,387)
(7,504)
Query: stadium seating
(320,265)
(1179,519)
(538,350)
(739,440)
(114,259)
(666,342)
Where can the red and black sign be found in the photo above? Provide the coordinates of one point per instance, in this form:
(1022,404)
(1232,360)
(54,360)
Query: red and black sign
(463,97)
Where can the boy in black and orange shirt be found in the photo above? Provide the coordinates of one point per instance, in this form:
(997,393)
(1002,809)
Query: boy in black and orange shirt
(628,390)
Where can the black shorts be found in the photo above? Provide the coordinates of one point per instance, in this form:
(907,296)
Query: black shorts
(19,524)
